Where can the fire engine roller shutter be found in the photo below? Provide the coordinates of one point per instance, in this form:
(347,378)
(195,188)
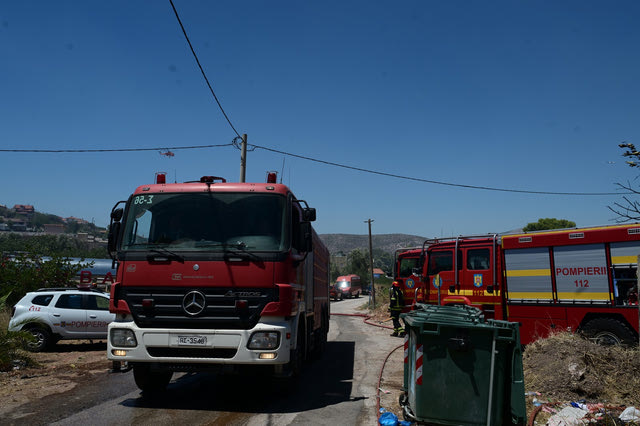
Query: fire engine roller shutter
(625,253)
(528,274)
(581,273)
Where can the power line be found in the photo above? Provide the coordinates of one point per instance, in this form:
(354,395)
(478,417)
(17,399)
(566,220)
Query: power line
(116,149)
(330,163)
(202,70)
(486,188)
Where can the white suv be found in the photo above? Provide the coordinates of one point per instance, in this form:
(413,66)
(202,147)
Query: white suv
(53,314)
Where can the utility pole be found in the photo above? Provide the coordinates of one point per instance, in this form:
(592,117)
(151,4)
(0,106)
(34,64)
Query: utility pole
(372,295)
(243,158)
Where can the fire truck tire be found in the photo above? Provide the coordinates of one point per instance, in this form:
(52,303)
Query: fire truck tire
(151,381)
(297,355)
(321,337)
(609,331)
(43,338)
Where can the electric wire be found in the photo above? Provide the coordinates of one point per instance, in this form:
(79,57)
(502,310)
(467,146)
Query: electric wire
(435,182)
(236,144)
(58,151)
(201,69)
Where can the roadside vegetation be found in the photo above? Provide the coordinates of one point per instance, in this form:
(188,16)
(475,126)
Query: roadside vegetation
(12,344)
(50,245)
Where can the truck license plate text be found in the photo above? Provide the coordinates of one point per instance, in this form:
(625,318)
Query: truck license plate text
(192,340)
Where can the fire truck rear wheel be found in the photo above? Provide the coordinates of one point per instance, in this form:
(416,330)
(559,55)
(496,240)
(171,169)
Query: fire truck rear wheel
(151,381)
(609,331)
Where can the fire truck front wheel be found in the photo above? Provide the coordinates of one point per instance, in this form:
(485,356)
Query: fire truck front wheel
(150,381)
(609,331)
(297,355)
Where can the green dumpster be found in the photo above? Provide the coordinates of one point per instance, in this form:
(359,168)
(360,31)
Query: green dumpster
(462,369)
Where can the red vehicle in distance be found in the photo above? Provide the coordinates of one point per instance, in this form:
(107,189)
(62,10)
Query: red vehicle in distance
(347,286)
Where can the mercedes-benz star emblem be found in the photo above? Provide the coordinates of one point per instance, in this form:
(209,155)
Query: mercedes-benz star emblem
(193,303)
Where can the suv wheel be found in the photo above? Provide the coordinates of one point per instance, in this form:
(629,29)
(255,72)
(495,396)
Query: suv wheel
(42,339)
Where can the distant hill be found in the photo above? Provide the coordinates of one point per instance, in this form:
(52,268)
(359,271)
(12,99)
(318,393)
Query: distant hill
(386,242)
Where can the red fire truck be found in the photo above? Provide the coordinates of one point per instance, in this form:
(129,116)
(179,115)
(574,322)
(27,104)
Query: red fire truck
(580,279)
(215,276)
(406,262)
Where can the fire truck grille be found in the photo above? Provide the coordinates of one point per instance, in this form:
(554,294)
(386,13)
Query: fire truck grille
(197,308)
(192,353)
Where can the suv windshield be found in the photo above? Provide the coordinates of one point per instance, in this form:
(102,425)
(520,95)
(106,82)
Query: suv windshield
(206,221)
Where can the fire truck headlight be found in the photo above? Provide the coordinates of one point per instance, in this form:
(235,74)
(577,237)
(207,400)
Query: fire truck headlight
(123,337)
(264,340)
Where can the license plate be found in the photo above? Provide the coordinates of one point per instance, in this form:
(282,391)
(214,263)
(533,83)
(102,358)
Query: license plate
(192,340)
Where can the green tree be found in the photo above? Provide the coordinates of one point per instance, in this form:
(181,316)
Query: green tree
(335,272)
(548,223)
(50,245)
(383,260)
(358,263)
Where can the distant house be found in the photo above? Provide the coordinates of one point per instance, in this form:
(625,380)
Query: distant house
(25,211)
(53,228)
(4,227)
(377,273)
(76,219)
(339,260)
(17,224)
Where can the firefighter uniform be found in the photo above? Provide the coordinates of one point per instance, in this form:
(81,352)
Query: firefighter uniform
(396,303)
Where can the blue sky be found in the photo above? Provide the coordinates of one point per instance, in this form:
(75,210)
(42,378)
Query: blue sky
(522,95)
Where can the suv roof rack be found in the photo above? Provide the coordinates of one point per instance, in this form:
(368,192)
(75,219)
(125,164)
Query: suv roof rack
(69,289)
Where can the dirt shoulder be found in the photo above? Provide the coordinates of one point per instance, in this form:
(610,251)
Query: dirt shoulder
(62,368)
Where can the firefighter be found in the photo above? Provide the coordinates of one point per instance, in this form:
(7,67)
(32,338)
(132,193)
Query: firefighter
(396,303)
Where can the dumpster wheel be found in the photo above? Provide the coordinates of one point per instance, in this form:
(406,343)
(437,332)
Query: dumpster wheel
(407,414)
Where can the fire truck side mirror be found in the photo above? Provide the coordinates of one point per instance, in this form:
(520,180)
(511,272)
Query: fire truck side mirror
(116,215)
(309,214)
(112,243)
(114,231)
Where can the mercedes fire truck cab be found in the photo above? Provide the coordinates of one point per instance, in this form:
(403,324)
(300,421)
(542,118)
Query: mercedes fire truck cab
(216,276)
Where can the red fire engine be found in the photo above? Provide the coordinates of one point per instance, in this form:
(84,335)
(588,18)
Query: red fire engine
(407,262)
(215,276)
(580,279)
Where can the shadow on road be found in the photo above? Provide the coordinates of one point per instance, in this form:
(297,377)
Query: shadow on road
(324,382)
(83,346)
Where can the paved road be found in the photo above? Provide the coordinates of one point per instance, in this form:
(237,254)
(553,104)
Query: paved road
(339,389)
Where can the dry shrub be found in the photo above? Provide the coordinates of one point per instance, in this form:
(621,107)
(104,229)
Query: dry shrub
(567,367)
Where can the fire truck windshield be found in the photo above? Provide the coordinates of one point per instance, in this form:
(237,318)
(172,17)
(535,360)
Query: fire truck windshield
(407,264)
(206,222)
